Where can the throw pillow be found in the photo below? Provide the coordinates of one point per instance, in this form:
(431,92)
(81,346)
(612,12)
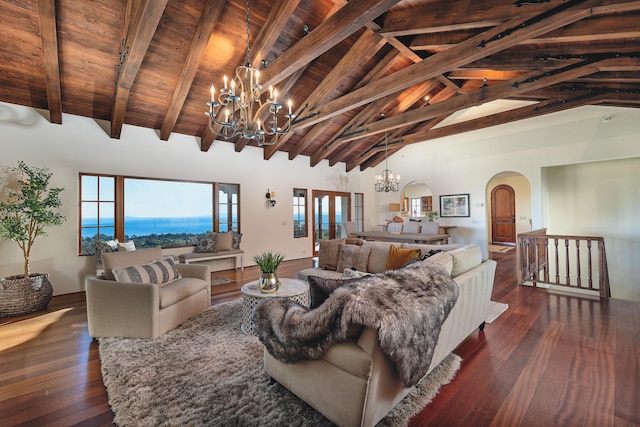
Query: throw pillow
(224,242)
(443,259)
(159,272)
(101,247)
(126,246)
(352,256)
(235,240)
(398,257)
(321,287)
(207,244)
(329,254)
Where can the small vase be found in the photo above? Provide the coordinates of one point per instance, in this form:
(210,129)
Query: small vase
(268,283)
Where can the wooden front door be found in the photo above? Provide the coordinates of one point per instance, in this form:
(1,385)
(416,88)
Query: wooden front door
(503,214)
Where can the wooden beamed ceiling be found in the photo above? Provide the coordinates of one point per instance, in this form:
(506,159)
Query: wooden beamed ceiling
(359,72)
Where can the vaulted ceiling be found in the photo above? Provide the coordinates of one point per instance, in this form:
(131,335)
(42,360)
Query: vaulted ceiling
(355,70)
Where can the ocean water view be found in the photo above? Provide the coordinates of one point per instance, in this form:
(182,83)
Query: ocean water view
(135,226)
(145,226)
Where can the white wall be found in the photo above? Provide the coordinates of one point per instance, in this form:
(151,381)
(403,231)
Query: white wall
(80,145)
(466,163)
(600,199)
(463,163)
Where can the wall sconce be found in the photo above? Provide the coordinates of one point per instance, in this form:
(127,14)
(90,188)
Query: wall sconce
(271,198)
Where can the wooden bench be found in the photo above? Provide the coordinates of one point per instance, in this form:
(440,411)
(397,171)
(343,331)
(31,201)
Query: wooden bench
(207,256)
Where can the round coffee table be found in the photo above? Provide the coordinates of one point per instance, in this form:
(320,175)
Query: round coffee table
(297,290)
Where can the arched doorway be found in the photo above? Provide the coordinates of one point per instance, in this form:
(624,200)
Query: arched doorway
(503,214)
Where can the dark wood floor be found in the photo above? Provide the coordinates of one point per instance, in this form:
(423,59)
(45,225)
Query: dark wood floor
(550,360)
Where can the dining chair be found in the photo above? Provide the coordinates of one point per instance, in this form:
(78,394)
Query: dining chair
(430,227)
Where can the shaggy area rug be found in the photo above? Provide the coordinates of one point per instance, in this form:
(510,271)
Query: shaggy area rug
(207,372)
(220,280)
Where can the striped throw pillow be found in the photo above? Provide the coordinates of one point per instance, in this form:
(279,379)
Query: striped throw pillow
(159,272)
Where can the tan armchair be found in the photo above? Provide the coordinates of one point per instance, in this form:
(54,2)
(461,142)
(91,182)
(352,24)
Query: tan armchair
(143,310)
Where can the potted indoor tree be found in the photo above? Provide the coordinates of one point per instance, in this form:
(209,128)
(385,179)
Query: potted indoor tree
(268,263)
(27,206)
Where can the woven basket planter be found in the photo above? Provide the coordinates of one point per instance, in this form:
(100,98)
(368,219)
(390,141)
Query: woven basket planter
(20,295)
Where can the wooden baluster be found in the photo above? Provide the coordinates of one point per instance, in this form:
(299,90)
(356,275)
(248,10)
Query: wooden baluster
(557,260)
(590,261)
(603,269)
(578,269)
(566,261)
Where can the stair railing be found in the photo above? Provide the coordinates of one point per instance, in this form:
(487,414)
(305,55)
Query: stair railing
(562,260)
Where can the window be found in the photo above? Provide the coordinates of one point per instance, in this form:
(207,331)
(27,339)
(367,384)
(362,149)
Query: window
(359,211)
(228,207)
(415,206)
(153,212)
(97,210)
(300,213)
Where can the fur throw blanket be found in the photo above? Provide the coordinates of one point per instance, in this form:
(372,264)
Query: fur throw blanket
(406,306)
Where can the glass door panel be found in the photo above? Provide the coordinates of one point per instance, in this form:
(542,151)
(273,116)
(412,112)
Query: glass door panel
(330,209)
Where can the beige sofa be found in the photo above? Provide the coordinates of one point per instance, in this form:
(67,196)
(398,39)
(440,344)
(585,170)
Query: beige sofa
(144,310)
(354,384)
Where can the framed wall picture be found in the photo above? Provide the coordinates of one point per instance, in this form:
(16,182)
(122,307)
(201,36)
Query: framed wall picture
(454,205)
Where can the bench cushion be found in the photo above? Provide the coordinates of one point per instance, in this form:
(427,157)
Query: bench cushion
(203,256)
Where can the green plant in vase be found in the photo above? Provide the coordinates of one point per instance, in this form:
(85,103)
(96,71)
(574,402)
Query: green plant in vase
(431,215)
(268,263)
(27,206)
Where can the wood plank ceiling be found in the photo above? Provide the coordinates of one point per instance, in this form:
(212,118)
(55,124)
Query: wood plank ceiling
(361,68)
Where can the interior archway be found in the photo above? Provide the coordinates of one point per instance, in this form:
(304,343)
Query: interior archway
(416,191)
(523,211)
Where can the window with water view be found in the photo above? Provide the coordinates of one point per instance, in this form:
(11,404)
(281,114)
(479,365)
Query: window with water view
(153,212)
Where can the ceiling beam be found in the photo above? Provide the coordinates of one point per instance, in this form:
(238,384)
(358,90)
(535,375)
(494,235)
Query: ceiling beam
(487,43)
(566,102)
(606,27)
(368,44)
(49,36)
(277,20)
(453,16)
(142,20)
(412,95)
(441,96)
(369,111)
(206,25)
(343,23)
(501,90)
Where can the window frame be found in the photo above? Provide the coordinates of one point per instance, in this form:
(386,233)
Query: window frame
(296,213)
(358,214)
(119,206)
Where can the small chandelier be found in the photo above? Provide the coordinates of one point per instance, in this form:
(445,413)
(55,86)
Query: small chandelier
(387,181)
(238,109)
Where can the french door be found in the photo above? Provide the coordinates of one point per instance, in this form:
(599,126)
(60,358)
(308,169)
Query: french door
(330,210)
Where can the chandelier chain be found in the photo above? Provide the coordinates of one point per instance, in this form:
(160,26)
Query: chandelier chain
(248,12)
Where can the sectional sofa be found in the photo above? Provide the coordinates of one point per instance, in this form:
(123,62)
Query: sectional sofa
(354,383)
